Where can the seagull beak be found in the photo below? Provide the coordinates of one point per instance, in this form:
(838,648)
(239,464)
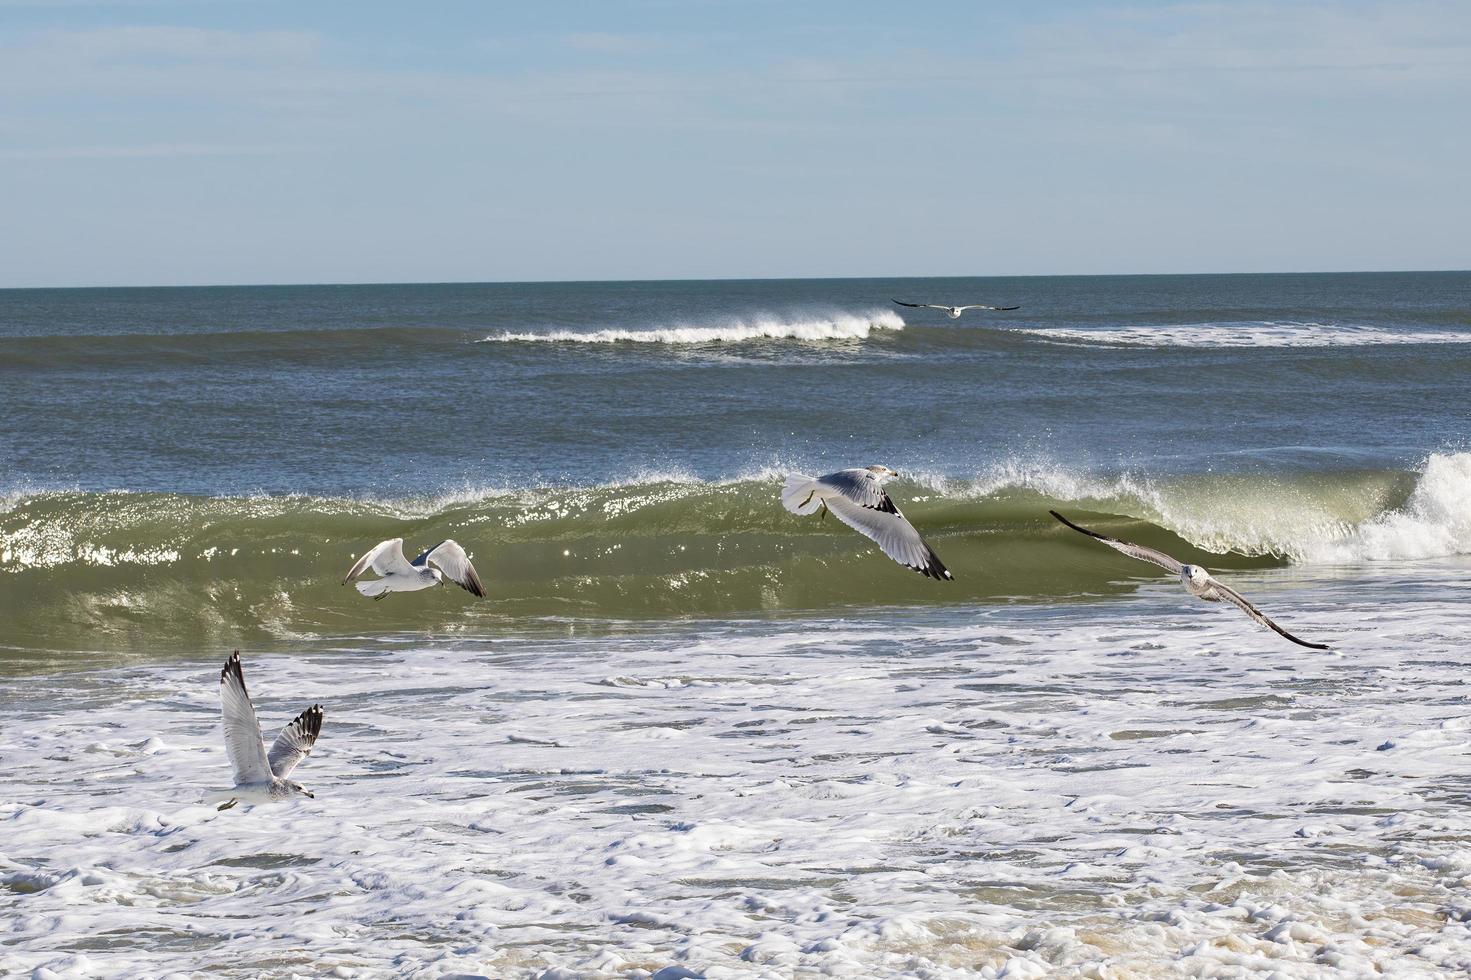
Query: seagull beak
(310,794)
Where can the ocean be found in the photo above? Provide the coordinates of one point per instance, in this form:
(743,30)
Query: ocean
(688,733)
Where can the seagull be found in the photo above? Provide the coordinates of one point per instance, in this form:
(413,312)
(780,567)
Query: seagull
(401,575)
(1197,581)
(261,778)
(857,498)
(953,312)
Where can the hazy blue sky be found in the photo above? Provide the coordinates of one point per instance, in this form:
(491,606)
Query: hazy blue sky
(221,142)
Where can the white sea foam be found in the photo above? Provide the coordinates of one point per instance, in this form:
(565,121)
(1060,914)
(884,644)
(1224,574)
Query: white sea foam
(1249,333)
(1143,787)
(836,326)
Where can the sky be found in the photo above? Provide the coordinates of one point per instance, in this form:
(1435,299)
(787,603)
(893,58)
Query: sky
(210,141)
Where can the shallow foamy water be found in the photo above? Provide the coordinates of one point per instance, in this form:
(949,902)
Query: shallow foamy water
(1136,787)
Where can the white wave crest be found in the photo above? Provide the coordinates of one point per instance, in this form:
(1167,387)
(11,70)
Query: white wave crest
(1252,333)
(1309,522)
(1435,522)
(838,326)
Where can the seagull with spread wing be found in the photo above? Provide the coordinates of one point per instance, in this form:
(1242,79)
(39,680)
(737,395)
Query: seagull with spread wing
(953,312)
(260,777)
(1197,581)
(445,561)
(858,499)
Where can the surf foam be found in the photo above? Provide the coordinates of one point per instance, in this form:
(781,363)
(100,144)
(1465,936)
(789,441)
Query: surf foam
(1249,333)
(882,796)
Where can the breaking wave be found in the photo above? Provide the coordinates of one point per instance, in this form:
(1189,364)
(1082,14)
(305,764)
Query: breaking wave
(151,567)
(837,326)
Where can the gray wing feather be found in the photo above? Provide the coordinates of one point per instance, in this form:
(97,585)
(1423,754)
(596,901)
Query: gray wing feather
(295,741)
(451,559)
(893,533)
(1138,551)
(385,558)
(859,486)
(1232,596)
(242,730)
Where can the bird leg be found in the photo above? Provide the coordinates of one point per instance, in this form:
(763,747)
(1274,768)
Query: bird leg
(228,803)
(824,513)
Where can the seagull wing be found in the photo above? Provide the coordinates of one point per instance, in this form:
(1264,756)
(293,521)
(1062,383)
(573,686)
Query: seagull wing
(893,533)
(296,740)
(451,559)
(1231,595)
(242,731)
(1132,550)
(977,306)
(386,558)
(924,306)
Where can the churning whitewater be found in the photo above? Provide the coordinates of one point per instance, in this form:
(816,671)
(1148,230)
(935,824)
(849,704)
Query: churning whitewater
(1026,791)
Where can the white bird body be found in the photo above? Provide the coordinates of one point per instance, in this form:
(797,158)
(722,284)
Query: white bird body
(274,791)
(401,575)
(1197,581)
(412,581)
(260,777)
(858,499)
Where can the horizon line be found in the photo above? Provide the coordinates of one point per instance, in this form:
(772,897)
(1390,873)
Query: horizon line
(546,282)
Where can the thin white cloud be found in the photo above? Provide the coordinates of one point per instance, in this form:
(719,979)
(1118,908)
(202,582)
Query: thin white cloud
(125,152)
(176,44)
(610,43)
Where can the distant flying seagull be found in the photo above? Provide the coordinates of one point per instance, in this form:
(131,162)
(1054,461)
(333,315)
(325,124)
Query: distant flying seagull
(401,575)
(953,311)
(857,498)
(1197,581)
(261,778)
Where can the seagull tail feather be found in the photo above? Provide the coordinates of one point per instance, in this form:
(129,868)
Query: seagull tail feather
(799,496)
(376,588)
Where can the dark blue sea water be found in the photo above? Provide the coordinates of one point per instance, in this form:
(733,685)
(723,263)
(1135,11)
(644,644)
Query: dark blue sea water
(397,389)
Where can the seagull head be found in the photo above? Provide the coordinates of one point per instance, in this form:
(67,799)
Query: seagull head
(1196,574)
(882,472)
(298,788)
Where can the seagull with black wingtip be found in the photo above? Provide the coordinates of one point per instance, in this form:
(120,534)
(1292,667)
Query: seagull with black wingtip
(953,312)
(260,776)
(1197,581)
(445,562)
(857,498)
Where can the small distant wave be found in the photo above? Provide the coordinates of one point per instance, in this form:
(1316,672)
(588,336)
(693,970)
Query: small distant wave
(842,326)
(1249,333)
(300,346)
